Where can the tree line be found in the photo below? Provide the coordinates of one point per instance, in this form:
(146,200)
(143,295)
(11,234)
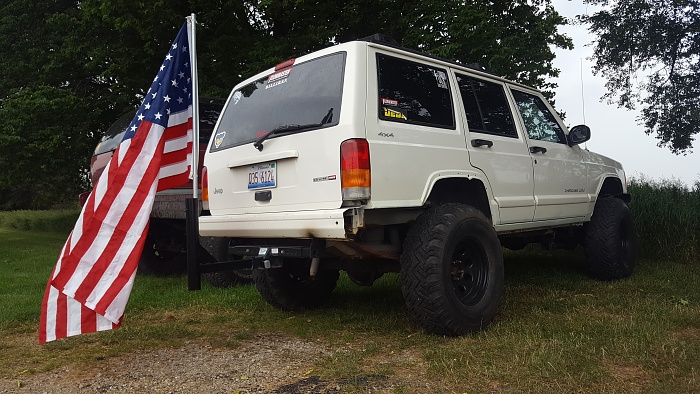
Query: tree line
(69,68)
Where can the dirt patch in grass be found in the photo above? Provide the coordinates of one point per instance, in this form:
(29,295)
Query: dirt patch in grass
(262,364)
(633,377)
(687,333)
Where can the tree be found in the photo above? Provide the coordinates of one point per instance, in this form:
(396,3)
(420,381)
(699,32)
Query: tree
(71,67)
(649,52)
(50,106)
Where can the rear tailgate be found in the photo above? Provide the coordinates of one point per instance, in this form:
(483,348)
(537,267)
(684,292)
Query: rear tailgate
(298,168)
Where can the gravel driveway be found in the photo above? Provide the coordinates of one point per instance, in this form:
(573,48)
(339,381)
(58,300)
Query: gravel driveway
(264,364)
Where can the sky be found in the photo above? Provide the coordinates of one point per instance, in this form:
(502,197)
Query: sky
(615,131)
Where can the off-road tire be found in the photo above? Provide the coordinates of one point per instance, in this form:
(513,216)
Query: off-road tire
(218,249)
(610,240)
(290,288)
(452,270)
(158,262)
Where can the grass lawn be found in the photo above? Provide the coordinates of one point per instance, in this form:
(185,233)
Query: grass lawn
(558,330)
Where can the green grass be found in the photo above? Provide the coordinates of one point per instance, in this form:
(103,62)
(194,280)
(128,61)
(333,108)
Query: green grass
(557,330)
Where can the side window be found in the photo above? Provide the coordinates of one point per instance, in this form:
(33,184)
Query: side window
(486,106)
(411,92)
(539,122)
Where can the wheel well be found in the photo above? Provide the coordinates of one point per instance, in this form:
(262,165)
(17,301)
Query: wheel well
(611,187)
(461,190)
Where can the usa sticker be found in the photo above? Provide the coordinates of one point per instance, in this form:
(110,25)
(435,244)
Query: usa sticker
(219,138)
(393,103)
(237,97)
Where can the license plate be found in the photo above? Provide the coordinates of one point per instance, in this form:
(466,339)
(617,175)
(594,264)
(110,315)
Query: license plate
(262,176)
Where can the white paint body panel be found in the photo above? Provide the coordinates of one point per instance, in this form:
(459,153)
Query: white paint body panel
(525,191)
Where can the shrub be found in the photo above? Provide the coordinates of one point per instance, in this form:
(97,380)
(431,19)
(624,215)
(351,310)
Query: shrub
(54,220)
(667,219)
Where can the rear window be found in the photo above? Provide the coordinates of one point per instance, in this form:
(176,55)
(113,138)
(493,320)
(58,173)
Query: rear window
(411,92)
(307,93)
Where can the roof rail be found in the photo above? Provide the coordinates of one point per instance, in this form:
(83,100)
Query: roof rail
(386,40)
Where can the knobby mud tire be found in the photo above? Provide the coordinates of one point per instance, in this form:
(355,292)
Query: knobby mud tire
(155,262)
(218,249)
(452,270)
(610,240)
(290,288)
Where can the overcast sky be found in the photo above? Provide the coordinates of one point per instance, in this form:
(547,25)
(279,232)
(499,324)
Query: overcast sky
(614,131)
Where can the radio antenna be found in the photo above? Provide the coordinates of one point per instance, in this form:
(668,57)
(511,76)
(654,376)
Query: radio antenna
(583,99)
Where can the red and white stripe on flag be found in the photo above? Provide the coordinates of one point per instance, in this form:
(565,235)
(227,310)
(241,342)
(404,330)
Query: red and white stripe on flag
(90,285)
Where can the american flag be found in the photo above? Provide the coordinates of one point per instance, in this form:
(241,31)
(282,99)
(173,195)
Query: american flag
(90,285)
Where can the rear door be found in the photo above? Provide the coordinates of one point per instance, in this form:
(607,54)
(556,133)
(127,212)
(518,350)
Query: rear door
(411,127)
(497,148)
(297,166)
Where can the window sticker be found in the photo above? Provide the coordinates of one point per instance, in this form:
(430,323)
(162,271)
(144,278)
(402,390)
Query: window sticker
(237,97)
(390,102)
(219,138)
(394,113)
(278,78)
(440,78)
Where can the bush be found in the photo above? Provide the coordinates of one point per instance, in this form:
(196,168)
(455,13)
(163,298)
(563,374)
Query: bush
(667,218)
(55,220)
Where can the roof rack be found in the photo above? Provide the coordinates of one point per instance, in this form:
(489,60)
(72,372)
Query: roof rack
(386,40)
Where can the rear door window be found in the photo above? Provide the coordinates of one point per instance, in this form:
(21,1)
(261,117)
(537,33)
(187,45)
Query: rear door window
(486,107)
(306,94)
(411,92)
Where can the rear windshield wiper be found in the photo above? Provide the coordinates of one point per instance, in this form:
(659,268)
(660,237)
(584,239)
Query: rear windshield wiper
(284,129)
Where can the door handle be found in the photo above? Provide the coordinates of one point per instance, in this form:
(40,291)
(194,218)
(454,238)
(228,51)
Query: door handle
(538,149)
(478,142)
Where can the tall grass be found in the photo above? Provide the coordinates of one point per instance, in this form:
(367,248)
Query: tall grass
(667,219)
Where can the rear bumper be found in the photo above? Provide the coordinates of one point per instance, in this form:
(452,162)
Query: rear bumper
(328,224)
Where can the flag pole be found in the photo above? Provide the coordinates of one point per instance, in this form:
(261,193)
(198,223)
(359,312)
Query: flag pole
(191,21)
(194,281)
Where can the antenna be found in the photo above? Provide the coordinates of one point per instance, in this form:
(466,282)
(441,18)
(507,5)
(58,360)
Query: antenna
(583,99)
(583,102)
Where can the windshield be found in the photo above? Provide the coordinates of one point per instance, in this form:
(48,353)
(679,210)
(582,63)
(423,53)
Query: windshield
(306,94)
(114,134)
(209,110)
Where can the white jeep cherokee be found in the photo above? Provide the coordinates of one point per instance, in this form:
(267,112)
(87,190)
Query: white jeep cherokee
(372,158)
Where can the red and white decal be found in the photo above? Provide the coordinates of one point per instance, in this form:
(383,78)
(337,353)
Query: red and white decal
(279,75)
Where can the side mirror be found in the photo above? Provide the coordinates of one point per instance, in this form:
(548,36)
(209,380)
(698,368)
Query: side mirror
(578,134)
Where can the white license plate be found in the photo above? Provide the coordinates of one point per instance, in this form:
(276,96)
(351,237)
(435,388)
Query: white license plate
(262,176)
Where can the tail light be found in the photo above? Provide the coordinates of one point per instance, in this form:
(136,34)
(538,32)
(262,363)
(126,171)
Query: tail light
(355,173)
(205,185)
